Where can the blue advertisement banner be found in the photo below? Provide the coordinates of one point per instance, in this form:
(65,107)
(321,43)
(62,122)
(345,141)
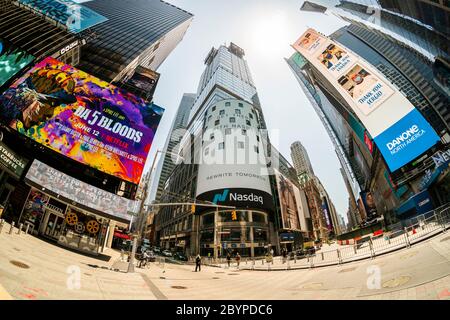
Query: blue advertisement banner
(67,12)
(407,139)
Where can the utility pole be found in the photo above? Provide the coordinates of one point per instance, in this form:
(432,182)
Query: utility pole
(141,214)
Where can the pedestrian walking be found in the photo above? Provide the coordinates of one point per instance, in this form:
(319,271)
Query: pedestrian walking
(238,260)
(198,262)
(228,259)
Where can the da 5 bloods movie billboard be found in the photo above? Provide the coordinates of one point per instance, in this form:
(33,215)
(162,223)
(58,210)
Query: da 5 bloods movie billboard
(83,118)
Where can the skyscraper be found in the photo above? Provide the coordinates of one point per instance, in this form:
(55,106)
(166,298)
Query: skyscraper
(222,149)
(137,33)
(301,160)
(175,134)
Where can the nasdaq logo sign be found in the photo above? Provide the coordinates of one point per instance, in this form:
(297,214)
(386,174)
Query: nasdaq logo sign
(221,196)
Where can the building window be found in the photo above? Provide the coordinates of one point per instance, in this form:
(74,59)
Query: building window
(240,145)
(237,111)
(209,118)
(250,115)
(221,145)
(247,122)
(227,104)
(206,151)
(217,122)
(228,131)
(257,138)
(232,119)
(244,132)
(256,149)
(240,104)
(221,112)
(211,137)
(213,109)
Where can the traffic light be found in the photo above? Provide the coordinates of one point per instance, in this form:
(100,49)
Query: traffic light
(193,208)
(233,215)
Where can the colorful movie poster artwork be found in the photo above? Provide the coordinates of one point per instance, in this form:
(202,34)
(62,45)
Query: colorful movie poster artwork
(35,206)
(83,118)
(365,89)
(336,59)
(310,41)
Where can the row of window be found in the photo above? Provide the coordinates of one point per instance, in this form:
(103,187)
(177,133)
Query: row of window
(240,145)
(228,132)
(231,120)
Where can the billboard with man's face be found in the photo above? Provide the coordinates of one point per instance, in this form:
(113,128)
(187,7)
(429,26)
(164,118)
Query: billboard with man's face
(83,118)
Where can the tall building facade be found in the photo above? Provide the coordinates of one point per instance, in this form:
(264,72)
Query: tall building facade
(171,146)
(226,152)
(301,161)
(74,196)
(387,190)
(137,33)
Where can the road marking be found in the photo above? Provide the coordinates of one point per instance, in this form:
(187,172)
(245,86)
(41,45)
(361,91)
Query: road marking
(157,293)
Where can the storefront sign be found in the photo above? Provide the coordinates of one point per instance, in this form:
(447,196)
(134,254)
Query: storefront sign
(441,157)
(83,118)
(78,191)
(11,161)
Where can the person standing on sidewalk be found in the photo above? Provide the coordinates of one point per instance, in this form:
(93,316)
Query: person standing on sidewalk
(238,259)
(198,262)
(228,259)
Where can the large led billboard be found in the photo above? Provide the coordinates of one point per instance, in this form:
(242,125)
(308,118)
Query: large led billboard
(77,192)
(398,129)
(294,208)
(74,16)
(12,60)
(83,118)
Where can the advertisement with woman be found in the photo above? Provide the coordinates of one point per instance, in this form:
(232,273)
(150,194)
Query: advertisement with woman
(288,203)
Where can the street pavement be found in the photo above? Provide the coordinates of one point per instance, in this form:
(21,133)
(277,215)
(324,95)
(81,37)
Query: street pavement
(33,269)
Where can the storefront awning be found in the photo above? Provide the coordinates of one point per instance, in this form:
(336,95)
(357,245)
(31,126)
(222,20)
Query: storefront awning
(121,235)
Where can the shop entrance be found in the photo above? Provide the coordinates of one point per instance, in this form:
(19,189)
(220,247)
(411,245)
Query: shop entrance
(5,192)
(53,222)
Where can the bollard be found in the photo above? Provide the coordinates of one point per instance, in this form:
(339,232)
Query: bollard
(262,261)
(12,227)
(295,258)
(28,227)
(322,255)
(354,247)
(20,228)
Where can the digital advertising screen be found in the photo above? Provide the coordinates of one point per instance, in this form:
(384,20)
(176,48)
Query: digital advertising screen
(398,129)
(74,16)
(12,60)
(83,118)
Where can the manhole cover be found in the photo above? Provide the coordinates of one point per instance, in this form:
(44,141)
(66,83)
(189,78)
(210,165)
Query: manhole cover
(347,270)
(88,274)
(314,285)
(216,278)
(219,272)
(396,282)
(178,287)
(233,274)
(16,249)
(445,239)
(19,264)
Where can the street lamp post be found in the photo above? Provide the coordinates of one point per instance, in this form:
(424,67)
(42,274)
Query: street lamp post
(141,214)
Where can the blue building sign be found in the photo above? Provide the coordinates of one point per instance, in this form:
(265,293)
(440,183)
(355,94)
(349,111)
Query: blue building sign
(67,12)
(407,139)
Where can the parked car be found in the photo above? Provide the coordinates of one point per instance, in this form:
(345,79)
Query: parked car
(157,250)
(180,256)
(167,253)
